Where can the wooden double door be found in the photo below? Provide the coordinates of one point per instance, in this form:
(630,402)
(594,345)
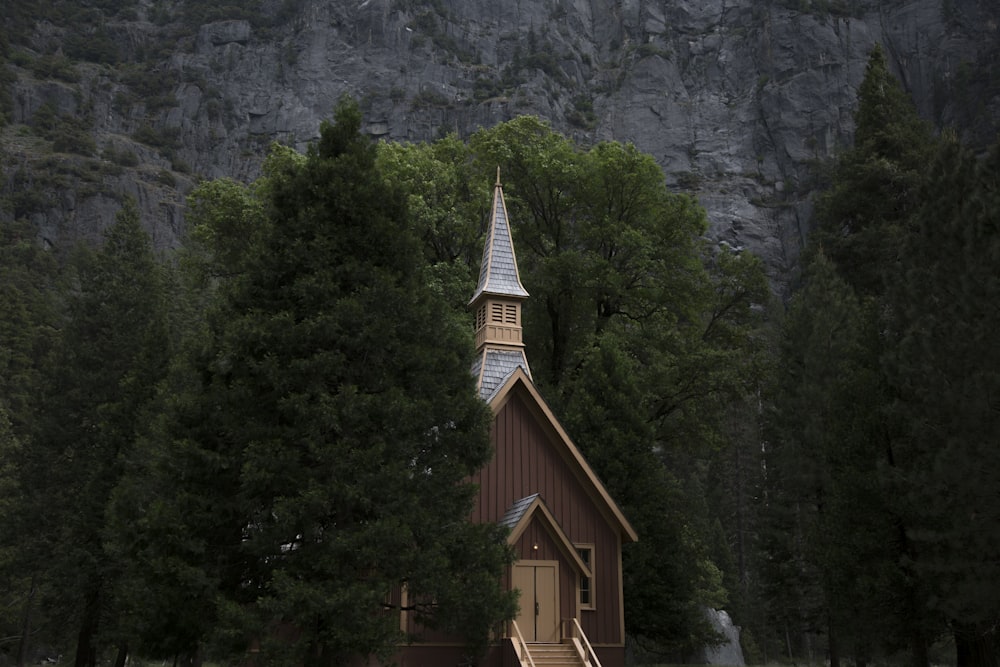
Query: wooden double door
(538,582)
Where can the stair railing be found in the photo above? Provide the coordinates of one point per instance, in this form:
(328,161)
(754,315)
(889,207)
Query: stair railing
(520,646)
(582,644)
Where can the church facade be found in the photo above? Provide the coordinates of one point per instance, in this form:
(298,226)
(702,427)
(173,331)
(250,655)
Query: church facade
(566,530)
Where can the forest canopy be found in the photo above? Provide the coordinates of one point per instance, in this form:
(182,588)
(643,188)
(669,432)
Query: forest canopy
(244,419)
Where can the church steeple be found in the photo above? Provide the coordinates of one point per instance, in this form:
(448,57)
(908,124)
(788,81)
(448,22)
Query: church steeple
(497,304)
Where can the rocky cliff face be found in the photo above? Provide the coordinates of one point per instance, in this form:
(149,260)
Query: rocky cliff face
(740,101)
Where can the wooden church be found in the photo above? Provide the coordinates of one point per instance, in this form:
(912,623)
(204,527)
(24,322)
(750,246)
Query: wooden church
(566,530)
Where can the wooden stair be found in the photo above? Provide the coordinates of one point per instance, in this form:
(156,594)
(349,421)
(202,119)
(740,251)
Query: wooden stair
(554,655)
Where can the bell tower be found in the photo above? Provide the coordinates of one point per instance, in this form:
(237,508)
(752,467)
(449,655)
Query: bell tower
(496,304)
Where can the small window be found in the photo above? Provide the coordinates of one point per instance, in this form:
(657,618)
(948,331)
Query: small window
(511,314)
(481,318)
(496,313)
(586,583)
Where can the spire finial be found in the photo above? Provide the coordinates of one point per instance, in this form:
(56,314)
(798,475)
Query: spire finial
(498,176)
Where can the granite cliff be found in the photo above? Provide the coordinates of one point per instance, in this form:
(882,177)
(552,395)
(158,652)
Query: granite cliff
(742,102)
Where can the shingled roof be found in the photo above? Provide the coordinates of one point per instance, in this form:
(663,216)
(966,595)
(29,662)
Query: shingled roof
(516,511)
(498,273)
(494,366)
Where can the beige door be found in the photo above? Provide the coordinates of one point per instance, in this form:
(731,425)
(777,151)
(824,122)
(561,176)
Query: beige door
(538,582)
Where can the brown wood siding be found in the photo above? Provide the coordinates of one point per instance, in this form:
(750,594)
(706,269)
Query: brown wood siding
(527,461)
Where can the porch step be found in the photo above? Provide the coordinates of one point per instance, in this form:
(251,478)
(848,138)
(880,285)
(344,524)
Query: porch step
(554,655)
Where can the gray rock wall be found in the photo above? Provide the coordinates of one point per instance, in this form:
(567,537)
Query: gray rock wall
(738,100)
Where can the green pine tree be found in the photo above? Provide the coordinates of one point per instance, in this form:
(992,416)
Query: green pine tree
(325,430)
(877,182)
(945,367)
(843,418)
(28,331)
(111,354)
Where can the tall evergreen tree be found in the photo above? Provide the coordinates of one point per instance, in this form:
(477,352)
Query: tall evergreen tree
(110,356)
(327,427)
(876,185)
(28,331)
(830,497)
(945,367)
(615,431)
(863,222)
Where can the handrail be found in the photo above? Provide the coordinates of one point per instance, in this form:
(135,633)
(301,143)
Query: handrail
(589,655)
(520,645)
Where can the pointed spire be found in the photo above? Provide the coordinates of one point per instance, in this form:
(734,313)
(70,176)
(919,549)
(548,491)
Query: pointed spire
(498,273)
(497,305)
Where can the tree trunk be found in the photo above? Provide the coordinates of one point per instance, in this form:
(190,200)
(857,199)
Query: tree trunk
(832,640)
(190,658)
(788,643)
(86,650)
(918,649)
(975,646)
(122,654)
(22,645)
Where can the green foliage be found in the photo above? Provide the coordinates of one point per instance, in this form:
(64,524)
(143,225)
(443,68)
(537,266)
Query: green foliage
(945,367)
(484,88)
(226,220)
(104,370)
(167,178)
(831,522)
(7,80)
(165,138)
(443,196)
(428,22)
(150,85)
(430,98)
(28,328)
(545,60)
(829,428)
(628,309)
(582,114)
(326,425)
(613,428)
(881,406)
(27,334)
(877,182)
(55,67)
(94,46)
(69,134)
(122,157)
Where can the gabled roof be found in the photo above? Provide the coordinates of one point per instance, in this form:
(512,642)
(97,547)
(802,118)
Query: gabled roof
(517,511)
(520,516)
(518,381)
(498,274)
